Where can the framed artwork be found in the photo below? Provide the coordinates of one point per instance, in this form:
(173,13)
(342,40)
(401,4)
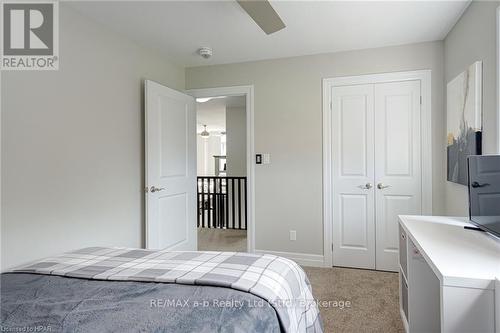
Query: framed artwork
(464,121)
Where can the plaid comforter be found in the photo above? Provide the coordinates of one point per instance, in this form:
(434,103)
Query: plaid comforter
(281,282)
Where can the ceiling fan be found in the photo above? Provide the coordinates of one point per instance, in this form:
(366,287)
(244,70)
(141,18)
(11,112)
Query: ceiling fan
(263,14)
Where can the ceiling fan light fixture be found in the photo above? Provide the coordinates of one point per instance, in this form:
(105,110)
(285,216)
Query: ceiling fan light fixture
(263,14)
(205,134)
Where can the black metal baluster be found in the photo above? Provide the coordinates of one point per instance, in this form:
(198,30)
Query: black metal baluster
(246,201)
(221,205)
(209,205)
(232,204)
(239,203)
(226,197)
(197,203)
(203,202)
(216,215)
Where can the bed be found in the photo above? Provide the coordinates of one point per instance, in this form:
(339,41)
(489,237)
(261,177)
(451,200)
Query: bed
(134,290)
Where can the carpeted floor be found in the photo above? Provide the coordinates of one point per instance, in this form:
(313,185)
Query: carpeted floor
(222,240)
(373,297)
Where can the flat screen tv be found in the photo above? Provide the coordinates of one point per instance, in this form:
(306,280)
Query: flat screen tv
(484,192)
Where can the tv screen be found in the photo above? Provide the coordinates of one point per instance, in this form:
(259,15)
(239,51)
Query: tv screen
(484,192)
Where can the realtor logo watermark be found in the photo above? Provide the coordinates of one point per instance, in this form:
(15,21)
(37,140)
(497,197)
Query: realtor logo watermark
(30,35)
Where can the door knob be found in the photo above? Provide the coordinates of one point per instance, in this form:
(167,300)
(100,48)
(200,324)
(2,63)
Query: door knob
(476,185)
(156,189)
(381,186)
(367,186)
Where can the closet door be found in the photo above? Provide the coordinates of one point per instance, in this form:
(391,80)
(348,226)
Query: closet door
(353,176)
(398,189)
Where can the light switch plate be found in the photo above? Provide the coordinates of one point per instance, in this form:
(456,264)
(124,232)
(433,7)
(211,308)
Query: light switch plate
(293,235)
(266,158)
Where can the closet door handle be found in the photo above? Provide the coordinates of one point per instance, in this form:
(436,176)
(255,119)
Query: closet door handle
(476,185)
(381,186)
(367,186)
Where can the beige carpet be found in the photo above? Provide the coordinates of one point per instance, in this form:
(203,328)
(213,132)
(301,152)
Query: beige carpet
(222,240)
(373,295)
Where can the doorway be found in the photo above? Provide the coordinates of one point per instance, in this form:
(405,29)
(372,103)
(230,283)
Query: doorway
(225,169)
(171,198)
(222,175)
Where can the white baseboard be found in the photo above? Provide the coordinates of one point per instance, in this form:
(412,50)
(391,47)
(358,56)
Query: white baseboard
(303,259)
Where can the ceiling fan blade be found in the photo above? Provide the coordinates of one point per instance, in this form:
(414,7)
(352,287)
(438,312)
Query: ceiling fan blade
(263,14)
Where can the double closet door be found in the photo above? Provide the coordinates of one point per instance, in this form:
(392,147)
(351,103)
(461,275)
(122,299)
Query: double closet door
(376,161)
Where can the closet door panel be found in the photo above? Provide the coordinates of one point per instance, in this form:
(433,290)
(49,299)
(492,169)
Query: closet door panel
(397,164)
(353,175)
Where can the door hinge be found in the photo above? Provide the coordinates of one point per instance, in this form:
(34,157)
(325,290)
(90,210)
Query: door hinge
(420,99)
(332,247)
(331,108)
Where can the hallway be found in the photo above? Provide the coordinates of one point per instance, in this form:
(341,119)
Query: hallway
(210,239)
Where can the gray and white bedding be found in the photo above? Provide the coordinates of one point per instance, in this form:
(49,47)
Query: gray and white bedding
(60,304)
(281,283)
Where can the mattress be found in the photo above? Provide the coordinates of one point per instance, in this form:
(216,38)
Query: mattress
(280,282)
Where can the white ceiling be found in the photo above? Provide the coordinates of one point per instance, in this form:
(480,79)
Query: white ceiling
(213,113)
(178,28)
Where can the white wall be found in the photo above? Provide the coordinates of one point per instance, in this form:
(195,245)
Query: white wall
(472,39)
(236,141)
(288,125)
(207,148)
(72,144)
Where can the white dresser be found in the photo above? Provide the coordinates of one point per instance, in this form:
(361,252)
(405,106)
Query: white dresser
(447,276)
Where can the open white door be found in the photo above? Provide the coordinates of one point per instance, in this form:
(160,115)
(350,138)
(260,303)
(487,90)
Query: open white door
(170,169)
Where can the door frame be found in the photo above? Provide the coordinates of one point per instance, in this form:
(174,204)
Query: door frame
(426,142)
(498,80)
(248,91)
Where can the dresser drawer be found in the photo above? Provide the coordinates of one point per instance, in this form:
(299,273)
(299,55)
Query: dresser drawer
(404,298)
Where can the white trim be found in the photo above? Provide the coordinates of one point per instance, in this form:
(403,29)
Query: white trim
(426,136)
(1,154)
(478,87)
(248,91)
(327,177)
(497,304)
(498,79)
(303,259)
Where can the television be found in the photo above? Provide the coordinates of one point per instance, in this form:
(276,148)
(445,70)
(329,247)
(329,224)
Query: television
(484,192)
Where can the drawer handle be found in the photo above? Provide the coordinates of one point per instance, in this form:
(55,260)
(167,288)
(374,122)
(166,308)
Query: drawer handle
(403,236)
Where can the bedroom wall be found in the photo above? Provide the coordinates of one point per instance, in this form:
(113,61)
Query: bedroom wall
(288,125)
(472,39)
(236,141)
(72,144)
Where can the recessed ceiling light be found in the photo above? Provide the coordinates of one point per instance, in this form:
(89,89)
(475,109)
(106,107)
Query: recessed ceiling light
(206,99)
(203,99)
